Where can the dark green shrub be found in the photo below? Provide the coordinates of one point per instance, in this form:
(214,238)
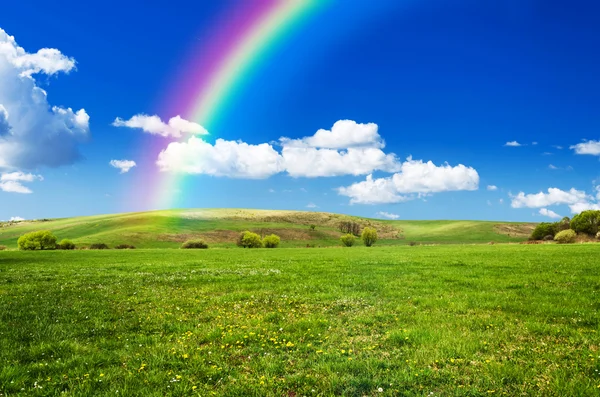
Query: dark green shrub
(565,237)
(271,241)
(369,236)
(42,240)
(248,239)
(563,224)
(65,245)
(587,222)
(412,243)
(194,244)
(348,240)
(99,246)
(542,230)
(124,247)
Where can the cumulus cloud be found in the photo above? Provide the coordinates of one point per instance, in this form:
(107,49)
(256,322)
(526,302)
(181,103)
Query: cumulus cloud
(358,153)
(492,188)
(415,179)
(549,213)
(175,128)
(343,135)
(577,200)
(554,196)
(513,144)
(224,158)
(123,165)
(12,182)
(588,147)
(32,132)
(388,215)
(16,219)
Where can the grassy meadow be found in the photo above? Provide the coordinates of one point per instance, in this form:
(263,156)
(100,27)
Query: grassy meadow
(448,320)
(220,228)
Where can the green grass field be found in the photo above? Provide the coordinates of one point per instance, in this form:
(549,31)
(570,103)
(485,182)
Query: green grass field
(220,228)
(448,320)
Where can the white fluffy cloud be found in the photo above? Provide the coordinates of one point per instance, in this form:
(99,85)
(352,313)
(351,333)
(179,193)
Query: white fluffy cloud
(123,165)
(513,144)
(549,213)
(492,188)
(12,182)
(313,162)
(16,219)
(577,200)
(554,196)
(32,132)
(414,177)
(388,215)
(311,205)
(588,147)
(358,153)
(224,158)
(343,135)
(154,125)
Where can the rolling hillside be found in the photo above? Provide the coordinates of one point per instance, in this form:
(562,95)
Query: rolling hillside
(220,227)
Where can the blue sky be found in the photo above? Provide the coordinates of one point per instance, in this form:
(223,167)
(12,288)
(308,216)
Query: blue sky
(443,81)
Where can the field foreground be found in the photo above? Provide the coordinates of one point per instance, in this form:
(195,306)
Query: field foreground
(448,320)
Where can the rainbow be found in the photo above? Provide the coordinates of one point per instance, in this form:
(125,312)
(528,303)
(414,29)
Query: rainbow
(243,38)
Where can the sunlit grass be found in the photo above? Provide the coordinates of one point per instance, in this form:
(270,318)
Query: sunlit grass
(447,320)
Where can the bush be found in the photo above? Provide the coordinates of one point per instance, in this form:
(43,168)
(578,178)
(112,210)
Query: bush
(542,230)
(565,237)
(350,227)
(2,247)
(563,224)
(348,240)
(99,246)
(369,236)
(587,222)
(271,241)
(548,237)
(412,243)
(42,240)
(124,247)
(248,239)
(313,227)
(65,245)
(194,244)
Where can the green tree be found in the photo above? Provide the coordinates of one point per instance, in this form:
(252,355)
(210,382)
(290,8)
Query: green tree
(587,222)
(66,245)
(542,230)
(248,239)
(271,241)
(369,236)
(42,240)
(348,240)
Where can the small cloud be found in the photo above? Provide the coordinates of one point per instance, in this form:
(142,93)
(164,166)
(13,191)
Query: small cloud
(16,219)
(547,154)
(501,201)
(12,182)
(303,190)
(311,205)
(557,147)
(587,147)
(492,188)
(549,213)
(569,168)
(534,143)
(123,165)
(513,144)
(271,190)
(286,191)
(553,167)
(388,215)
(155,126)
(489,203)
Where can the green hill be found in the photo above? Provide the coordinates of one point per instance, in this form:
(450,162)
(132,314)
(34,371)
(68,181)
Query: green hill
(220,227)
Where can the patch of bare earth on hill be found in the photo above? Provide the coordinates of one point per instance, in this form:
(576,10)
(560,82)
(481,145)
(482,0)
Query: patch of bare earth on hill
(515,230)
